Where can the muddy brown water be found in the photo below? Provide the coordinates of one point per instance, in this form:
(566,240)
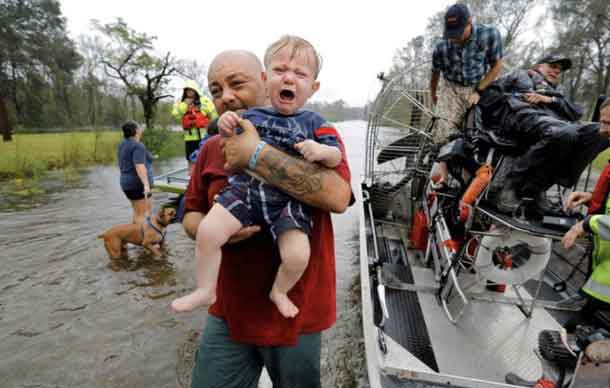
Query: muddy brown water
(70,317)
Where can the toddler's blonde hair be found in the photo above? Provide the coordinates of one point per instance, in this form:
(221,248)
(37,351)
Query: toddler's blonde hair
(296,44)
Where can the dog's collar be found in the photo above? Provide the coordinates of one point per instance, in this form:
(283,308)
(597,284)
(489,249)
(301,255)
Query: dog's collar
(159,231)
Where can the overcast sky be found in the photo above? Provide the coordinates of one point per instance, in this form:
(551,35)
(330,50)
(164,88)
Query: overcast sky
(357,39)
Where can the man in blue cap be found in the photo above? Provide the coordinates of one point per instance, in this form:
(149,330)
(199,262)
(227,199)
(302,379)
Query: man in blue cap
(469,57)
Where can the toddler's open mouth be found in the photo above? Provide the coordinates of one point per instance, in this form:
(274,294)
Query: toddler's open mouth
(287,95)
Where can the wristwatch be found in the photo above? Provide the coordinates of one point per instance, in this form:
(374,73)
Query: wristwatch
(479,90)
(147,194)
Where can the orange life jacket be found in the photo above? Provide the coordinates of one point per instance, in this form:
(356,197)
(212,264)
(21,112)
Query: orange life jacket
(194,119)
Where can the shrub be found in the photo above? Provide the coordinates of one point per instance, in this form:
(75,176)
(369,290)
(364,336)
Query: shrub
(163,142)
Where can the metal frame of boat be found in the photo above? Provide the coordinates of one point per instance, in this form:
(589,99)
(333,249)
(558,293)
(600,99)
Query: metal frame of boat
(411,338)
(174,181)
(408,337)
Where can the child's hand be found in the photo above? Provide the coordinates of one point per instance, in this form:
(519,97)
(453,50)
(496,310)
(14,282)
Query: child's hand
(227,123)
(311,151)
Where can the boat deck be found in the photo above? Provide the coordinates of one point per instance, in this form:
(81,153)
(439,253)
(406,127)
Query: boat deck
(417,342)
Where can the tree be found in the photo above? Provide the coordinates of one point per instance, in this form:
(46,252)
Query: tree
(5,127)
(91,78)
(508,16)
(193,70)
(35,51)
(583,33)
(336,111)
(128,57)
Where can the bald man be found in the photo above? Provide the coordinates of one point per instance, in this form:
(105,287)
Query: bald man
(244,330)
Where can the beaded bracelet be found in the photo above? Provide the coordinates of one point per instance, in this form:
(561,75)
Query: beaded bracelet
(256,154)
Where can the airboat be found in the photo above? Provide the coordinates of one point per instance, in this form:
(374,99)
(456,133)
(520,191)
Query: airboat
(174,181)
(455,293)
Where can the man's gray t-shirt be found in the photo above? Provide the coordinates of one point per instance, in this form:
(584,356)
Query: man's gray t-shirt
(130,153)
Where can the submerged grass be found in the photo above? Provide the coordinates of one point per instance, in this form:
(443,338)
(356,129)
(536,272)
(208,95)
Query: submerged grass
(32,155)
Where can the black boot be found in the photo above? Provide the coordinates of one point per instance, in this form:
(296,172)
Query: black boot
(508,201)
(545,207)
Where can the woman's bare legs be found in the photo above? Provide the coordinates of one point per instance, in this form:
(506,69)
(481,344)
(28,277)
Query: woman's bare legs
(141,207)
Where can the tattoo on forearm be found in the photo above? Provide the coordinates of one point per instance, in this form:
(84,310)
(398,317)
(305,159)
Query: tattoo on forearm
(292,175)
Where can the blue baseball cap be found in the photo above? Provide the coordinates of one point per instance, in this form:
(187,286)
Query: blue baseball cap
(456,20)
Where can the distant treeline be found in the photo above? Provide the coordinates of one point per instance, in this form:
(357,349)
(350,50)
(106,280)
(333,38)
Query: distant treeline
(48,80)
(337,111)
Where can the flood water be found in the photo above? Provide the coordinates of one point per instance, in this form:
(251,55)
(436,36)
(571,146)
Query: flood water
(70,317)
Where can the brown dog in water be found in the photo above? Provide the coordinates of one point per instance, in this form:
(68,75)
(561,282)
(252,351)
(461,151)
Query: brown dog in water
(148,234)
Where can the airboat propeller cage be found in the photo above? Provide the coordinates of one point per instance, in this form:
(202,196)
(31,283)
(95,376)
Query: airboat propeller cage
(398,137)
(539,247)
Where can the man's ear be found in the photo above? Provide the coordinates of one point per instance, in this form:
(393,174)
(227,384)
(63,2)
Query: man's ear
(265,88)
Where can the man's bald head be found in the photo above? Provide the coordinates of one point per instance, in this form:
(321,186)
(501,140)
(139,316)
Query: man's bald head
(246,59)
(236,80)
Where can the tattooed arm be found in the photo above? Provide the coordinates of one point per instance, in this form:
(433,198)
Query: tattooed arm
(310,183)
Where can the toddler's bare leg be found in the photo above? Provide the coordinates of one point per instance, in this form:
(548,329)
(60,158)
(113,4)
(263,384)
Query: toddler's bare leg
(295,251)
(213,232)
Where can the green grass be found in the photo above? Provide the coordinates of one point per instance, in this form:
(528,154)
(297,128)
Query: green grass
(31,155)
(602,159)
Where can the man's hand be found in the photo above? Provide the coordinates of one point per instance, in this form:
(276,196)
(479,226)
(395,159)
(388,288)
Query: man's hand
(577,198)
(311,150)
(191,221)
(473,99)
(238,149)
(571,235)
(244,233)
(535,98)
(227,123)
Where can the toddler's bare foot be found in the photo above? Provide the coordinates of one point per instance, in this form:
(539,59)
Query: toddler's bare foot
(284,304)
(199,297)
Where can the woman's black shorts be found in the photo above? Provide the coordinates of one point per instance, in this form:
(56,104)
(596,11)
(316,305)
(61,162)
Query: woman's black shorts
(134,195)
